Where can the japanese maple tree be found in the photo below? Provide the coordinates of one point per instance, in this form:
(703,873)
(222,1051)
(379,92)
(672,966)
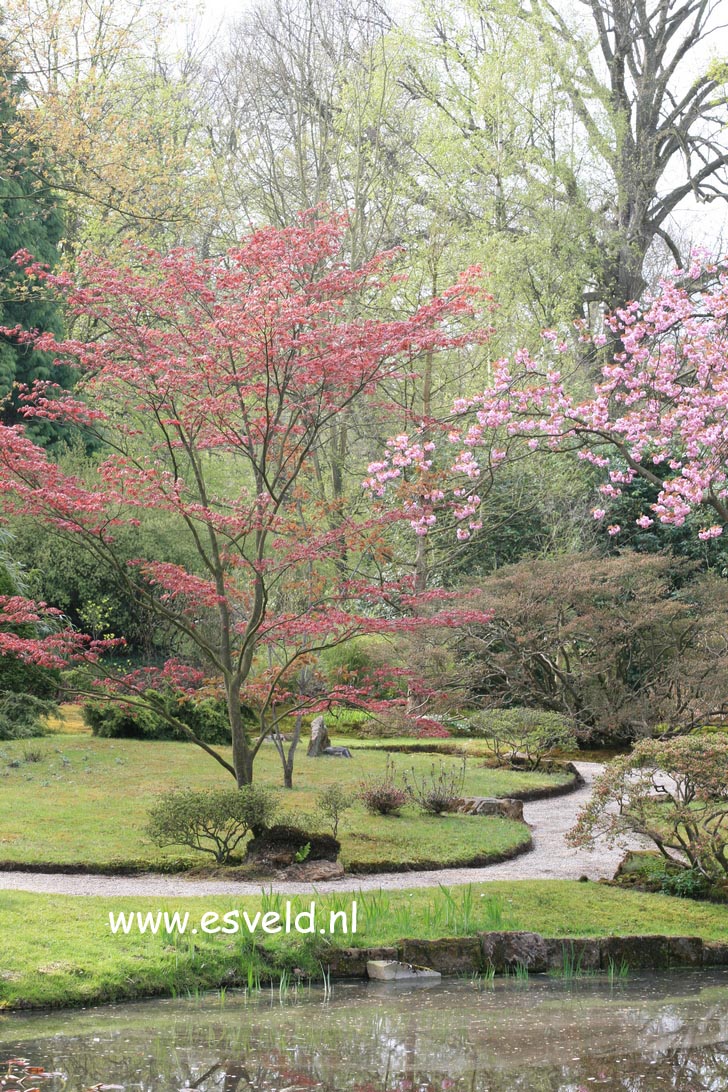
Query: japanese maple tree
(210,384)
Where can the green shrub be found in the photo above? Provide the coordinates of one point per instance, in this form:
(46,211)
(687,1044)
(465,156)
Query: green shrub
(22,716)
(349,662)
(349,722)
(525,736)
(331,804)
(687,884)
(213,821)
(671,791)
(207,718)
(21,678)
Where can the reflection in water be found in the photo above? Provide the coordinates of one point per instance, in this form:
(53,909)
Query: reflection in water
(645,1034)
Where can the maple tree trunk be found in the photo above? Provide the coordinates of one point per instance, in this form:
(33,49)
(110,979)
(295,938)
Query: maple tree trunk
(242,755)
(289,758)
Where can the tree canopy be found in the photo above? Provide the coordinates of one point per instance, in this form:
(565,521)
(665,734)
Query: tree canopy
(30,219)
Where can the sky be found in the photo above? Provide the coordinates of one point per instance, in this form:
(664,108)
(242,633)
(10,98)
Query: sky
(704,224)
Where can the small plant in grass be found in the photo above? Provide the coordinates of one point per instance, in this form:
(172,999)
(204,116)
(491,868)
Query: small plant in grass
(332,802)
(492,913)
(383,795)
(439,792)
(214,821)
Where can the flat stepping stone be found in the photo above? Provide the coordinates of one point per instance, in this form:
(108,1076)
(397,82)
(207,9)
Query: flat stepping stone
(390,970)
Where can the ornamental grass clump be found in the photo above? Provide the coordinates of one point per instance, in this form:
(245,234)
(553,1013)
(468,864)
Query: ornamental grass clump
(439,792)
(383,795)
(214,821)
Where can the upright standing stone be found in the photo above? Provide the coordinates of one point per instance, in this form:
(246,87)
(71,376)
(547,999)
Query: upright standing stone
(319,738)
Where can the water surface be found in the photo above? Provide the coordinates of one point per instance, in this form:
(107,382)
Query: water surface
(544,1035)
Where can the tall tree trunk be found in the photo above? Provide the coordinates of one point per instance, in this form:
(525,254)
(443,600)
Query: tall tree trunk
(242,754)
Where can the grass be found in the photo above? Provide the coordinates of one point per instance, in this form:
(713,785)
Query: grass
(84,803)
(60,951)
(70,722)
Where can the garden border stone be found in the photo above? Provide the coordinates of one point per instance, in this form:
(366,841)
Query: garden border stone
(505,950)
(458,955)
(509,807)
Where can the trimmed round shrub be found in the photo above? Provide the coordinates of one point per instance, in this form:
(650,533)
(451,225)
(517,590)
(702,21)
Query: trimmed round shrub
(382,799)
(213,821)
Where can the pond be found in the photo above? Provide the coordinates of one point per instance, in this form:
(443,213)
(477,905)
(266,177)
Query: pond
(541,1035)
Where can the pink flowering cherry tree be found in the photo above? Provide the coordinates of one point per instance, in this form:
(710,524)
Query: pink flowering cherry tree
(661,403)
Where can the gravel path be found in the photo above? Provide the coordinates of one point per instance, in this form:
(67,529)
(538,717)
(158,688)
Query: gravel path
(550,859)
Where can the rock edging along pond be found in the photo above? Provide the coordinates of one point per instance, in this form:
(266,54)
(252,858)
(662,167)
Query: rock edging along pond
(507,952)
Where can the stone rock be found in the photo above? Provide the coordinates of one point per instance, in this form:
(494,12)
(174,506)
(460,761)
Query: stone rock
(685,951)
(315,871)
(487,805)
(645,952)
(337,752)
(384,970)
(346,962)
(581,954)
(352,962)
(715,954)
(389,955)
(319,738)
(460,955)
(505,951)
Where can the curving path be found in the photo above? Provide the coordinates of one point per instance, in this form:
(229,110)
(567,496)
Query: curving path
(550,859)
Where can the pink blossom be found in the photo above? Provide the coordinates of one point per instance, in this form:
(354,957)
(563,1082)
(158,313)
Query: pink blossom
(710,532)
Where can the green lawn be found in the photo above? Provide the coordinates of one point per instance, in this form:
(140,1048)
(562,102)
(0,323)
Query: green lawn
(84,802)
(60,950)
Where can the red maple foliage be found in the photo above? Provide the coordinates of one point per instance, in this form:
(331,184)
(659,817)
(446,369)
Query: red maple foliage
(211,384)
